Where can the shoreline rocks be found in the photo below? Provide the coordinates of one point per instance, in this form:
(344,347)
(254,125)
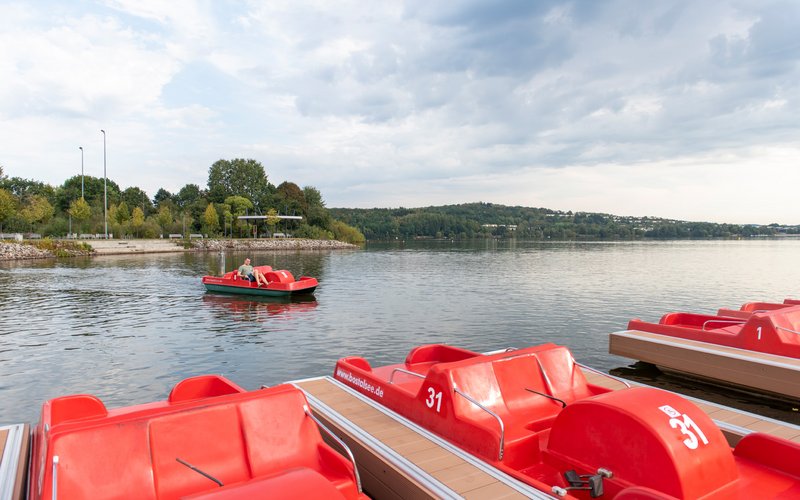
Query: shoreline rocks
(270,244)
(21,251)
(24,251)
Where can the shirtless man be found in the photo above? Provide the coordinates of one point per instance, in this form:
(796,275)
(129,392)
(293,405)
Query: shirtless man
(248,272)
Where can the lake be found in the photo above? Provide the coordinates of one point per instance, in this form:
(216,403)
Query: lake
(127,328)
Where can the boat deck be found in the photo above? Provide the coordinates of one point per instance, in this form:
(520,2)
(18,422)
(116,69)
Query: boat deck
(777,375)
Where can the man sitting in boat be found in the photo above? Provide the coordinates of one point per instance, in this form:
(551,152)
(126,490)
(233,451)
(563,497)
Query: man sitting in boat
(246,271)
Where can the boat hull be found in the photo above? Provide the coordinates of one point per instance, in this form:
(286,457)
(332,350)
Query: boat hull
(258,291)
(281,284)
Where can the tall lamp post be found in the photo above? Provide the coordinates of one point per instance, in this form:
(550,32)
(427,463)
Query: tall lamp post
(81,148)
(105,182)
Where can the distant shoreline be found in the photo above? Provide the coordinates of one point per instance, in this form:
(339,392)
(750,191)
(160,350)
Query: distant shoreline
(10,251)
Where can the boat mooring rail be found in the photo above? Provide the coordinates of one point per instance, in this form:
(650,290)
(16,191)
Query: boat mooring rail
(490,412)
(407,372)
(594,370)
(787,330)
(339,441)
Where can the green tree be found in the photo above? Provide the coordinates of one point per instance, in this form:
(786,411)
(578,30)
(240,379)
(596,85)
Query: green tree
(93,189)
(8,206)
(348,234)
(188,194)
(272,219)
(238,177)
(316,213)
(135,197)
(36,209)
(163,198)
(164,217)
(239,206)
(23,189)
(290,199)
(122,213)
(79,209)
(137,220)
(211,219)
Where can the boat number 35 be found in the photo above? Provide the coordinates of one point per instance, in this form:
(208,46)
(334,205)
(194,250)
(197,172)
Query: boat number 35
(686,425)
(434,399)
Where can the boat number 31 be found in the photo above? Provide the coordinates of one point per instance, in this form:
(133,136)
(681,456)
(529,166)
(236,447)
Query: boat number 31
(434,399)
(686,425)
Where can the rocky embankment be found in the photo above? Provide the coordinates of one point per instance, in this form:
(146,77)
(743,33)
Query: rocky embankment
(22,251)
(269,244)
(18,251)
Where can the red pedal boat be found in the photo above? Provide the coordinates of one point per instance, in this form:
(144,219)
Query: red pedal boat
(758,326)
(532,414)
(753,307)
(209,439)
(281,284)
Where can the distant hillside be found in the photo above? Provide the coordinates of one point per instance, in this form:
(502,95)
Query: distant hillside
(486,220)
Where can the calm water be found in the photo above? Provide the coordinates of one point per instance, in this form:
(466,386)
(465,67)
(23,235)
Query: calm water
(127,328)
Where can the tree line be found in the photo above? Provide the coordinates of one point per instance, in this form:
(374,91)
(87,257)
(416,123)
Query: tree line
(235,187)
(488,220)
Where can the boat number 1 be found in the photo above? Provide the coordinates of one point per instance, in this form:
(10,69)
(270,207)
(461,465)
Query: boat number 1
(759,332)
(434,398)
(686,425)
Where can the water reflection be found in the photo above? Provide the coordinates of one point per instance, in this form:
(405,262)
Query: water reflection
(259,309)
(127,328)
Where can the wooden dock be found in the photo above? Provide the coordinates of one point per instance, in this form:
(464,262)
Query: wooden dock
(775,375)
(14,445)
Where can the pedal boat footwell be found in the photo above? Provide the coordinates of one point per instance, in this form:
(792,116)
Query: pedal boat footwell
(532,414)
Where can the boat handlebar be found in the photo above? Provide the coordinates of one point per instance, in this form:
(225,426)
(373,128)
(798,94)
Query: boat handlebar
(407,372)
(594,370)
(490,412)
(339,441)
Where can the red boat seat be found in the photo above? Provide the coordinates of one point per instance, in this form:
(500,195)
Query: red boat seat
(437,353)
(779,454)
(504,383)
(236,437)
(76,407)
(204,386)
(301,483)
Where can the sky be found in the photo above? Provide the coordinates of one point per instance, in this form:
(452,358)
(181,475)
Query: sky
(679,109)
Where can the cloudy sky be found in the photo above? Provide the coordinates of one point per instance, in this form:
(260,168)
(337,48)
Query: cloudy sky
(679,109)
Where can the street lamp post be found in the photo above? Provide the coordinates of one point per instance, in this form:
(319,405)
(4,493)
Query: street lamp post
(81,148)
(105,187)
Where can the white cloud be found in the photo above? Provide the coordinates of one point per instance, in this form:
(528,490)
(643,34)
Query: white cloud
(412,103)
